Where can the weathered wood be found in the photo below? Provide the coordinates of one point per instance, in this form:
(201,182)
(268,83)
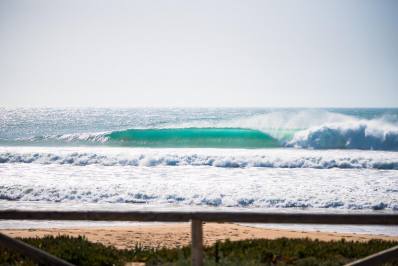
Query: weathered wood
(34,253)
(298,218)
(197,243)
(144,216)
(378,258)
(240,217)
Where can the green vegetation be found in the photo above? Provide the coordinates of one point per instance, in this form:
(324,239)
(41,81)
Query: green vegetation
(281,251)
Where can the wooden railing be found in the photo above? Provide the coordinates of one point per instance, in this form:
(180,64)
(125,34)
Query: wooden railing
(196,218)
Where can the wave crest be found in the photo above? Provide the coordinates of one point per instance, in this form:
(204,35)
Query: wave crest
(303,129)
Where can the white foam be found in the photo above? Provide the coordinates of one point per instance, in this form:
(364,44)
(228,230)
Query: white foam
(265,158)
(360,134)
(253,188)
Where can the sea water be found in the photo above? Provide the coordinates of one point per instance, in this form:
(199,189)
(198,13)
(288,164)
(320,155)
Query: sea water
(289,160)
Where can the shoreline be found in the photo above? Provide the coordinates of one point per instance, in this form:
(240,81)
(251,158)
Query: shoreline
(178,234)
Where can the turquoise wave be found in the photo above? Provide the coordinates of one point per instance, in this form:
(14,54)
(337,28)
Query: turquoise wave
(193,138)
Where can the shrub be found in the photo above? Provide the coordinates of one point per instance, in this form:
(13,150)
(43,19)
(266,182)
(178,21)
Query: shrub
(283,251)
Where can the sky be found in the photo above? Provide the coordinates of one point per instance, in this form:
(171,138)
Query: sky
(215,53)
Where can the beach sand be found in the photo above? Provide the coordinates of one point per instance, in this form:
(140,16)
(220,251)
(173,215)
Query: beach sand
(177,235)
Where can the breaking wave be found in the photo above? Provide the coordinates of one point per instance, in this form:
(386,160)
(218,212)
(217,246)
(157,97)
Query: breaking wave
(19,193)
(169,138)
(304,129)
(364,135)
(194,137)
(271,160)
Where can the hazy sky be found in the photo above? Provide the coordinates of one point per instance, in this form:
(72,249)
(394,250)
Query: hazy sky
(199,53)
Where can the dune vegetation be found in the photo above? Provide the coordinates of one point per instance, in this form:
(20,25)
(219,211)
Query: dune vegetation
(283,251)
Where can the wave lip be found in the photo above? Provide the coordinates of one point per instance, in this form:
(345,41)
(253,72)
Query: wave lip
(193,138)
(68,138)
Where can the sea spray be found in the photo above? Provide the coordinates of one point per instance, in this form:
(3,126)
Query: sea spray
(362,134)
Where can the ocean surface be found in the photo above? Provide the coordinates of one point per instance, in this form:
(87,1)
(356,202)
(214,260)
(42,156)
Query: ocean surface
(318,160)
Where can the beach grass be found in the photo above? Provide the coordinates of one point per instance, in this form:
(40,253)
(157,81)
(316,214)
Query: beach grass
(282,251)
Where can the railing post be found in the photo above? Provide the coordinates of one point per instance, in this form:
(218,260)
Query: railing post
(197,242)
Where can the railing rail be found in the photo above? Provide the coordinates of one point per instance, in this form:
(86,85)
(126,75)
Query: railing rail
(238,217)
(197,218)
(34,253)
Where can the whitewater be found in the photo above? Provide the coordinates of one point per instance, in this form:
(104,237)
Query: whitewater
(320,160)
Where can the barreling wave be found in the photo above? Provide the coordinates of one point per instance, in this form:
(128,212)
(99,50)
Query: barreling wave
(305,129)
(271,160)
(169,138)
(193,137)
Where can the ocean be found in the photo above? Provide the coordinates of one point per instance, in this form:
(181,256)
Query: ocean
(251,159)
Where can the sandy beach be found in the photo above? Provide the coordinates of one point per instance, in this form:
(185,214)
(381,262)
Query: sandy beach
(175,235)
